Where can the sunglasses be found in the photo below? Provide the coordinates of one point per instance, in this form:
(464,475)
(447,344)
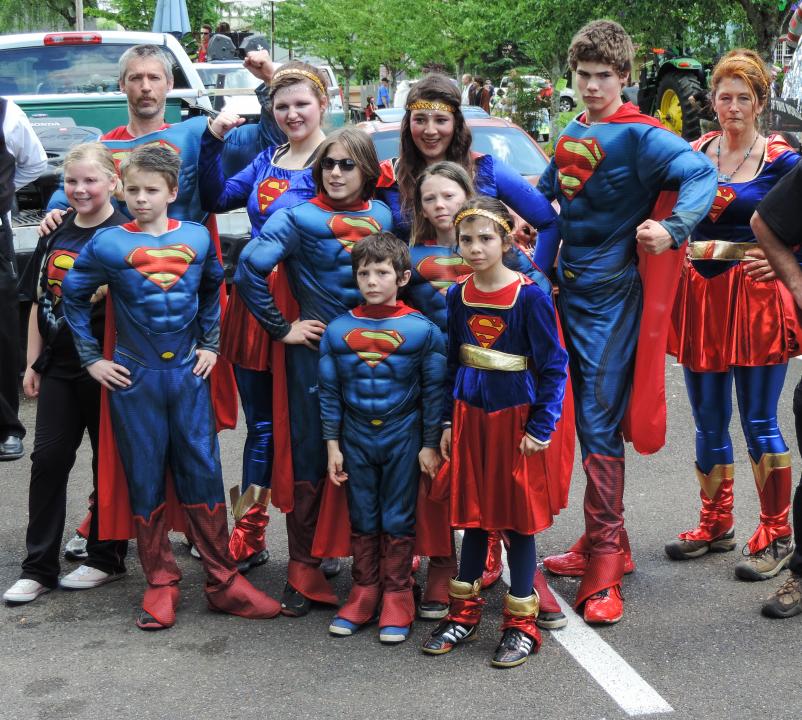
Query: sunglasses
(345,165)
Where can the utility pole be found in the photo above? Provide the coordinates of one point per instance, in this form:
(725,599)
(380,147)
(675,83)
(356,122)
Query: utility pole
(79,14)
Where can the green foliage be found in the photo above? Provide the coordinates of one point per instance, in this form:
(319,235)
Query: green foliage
(41,15)
(138,14)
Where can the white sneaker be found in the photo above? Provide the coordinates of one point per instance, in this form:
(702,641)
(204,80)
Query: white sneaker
(86,578)
(24,591)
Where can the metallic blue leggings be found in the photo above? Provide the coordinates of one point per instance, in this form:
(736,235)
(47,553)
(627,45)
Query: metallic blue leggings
(758,391)
(256,394)
(521,557)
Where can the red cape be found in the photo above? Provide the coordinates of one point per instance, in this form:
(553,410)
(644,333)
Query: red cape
(115,521)
(644,423)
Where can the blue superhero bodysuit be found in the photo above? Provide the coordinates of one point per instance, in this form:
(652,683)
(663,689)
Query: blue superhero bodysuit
(727,326)
(263,188)
(165,293)
(606,177)
(313,240)
(381,376)
(491,177)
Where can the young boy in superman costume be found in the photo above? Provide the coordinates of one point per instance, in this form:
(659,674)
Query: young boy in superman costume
(609,167)
(164,280)
(381,373)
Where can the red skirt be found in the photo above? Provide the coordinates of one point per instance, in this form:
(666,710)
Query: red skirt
(731,319)
(494,486)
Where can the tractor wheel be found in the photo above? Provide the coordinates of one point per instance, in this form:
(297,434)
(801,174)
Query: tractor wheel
(676,105)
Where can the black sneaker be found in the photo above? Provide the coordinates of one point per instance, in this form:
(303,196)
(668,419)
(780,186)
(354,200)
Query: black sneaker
(787,599)
(253,561)
(447,635)
(331,567)
(293,603)
(513,650)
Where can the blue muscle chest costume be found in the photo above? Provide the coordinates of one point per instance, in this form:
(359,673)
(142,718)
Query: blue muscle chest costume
(165,293)
(380,382)
(494,178)
(606,177)
(314,242)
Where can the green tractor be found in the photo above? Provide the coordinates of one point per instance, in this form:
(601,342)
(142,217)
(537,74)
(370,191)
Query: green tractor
(672,88)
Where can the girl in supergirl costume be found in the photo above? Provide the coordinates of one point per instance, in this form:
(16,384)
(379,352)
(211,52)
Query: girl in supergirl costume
(440,191)
(433,129)
(733,320)
(68,398)
(280,177)
(506,382)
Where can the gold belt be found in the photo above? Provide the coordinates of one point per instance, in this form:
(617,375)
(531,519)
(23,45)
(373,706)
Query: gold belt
(487,359)
(719,250)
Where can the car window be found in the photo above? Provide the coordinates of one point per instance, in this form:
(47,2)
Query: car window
(511,145)
(236,77)
(66,69)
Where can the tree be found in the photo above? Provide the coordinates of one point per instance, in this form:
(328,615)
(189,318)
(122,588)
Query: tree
(45,14)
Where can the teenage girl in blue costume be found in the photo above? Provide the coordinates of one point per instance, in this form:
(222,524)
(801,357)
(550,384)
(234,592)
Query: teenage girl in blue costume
(279,177)
(434,129)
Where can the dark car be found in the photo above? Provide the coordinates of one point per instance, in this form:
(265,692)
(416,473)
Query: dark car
(494,136)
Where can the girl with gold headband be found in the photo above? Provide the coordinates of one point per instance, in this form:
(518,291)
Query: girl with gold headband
(280,177)
(433,130)
(504,394)
(733,320)
(441,190)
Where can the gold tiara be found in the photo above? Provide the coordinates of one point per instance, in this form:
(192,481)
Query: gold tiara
(297,72)
(484,213)
(430,105)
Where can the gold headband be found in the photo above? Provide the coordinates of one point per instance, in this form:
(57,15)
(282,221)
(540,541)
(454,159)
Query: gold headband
(296,72)
(484,213)
(430,105)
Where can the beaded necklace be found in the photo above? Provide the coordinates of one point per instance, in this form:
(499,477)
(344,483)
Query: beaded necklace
(724,177)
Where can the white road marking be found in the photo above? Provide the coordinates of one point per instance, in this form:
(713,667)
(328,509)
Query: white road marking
(614,674)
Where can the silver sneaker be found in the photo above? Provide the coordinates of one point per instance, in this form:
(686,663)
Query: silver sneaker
(766,563)
(75,549)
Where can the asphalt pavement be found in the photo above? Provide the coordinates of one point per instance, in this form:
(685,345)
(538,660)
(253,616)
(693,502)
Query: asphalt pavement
(692,643)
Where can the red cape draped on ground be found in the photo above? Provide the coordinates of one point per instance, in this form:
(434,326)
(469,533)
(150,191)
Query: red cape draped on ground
(115,521)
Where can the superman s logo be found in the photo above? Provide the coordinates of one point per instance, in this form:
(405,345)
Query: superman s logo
(58,264)
(119,154)
(442,271)
(350,229)
(724,197)
(163,266)
(576,161)
(373,346)
(486,329)
(270,190)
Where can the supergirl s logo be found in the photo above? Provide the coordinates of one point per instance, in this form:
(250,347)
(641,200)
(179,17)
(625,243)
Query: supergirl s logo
(58,264)
(270,190)
(724,196)
(487,329)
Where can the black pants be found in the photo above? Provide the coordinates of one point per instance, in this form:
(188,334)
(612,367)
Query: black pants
(65,409)
(9,346)
(796,559)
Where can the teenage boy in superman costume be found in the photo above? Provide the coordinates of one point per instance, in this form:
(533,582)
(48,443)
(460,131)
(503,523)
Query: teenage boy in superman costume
(609,167)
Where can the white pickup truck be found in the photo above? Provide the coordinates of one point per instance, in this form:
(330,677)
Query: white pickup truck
(68,85)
